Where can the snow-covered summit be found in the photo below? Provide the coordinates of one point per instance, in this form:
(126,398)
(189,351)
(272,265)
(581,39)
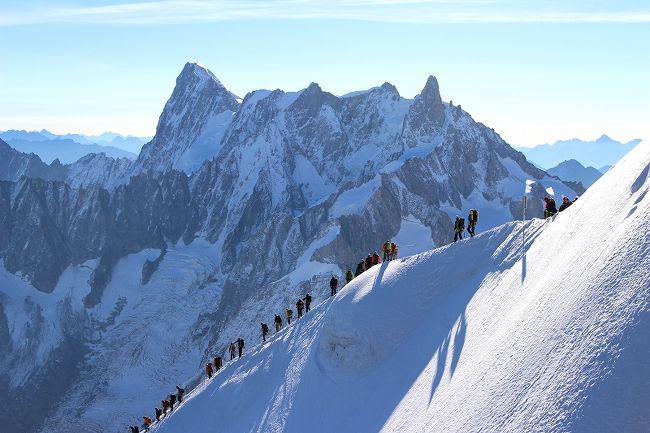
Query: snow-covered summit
(541,326)
(192,123)
(200,70)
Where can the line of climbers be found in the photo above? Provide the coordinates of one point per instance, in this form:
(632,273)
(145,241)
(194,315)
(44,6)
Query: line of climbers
(390,253)
(549,205)
(303,304)
(166,404)
(389,249)
(236,348)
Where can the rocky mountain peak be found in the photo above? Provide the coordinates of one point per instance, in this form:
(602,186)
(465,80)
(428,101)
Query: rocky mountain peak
(313,88)
(193,71)
(430,94)
(312,99)
(388,87)
(426,116)
(198,83)
(188,124)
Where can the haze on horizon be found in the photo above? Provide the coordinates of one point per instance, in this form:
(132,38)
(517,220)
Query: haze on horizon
(535,72)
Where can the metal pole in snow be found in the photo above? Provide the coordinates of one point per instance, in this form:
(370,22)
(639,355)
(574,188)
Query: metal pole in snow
(523,241)
(525,202)
(523,228)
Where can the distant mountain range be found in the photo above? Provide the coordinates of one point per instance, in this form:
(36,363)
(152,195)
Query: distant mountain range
(68,148)
(572,170)
(602,152)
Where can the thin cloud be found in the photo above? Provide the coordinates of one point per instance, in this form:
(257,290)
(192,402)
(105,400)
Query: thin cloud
(388,11)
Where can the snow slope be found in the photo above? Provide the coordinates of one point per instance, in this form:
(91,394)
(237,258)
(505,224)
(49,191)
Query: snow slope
(535,327)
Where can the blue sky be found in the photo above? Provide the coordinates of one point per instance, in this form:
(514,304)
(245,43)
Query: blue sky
(535,71)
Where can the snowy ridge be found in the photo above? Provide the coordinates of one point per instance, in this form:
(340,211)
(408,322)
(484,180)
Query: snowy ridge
(539,331)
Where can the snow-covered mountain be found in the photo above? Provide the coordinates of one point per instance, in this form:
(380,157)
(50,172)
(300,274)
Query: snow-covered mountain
(14,164)
(520,338)
(70,147)
(597,153)
(92,169)
(233,210)
(572,170)
(192,123)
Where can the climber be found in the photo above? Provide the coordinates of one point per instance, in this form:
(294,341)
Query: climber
(300,306)
(349,276)
(459,226)
(277,321)
(240,346)
(565,203)
(231,349)
(307,302)
(146,421)
(333,285)
(158,414)
(369,261)
(472,220)
(265,330)
(165,405)
(208,371)
(172,400)
(218,363)
(393,251)
(549,207)
(386,250)
(134,429)
(181,392)
(361,267)
(289,313)
(375,259)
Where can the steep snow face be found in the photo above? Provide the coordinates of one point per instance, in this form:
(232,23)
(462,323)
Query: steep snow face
(191,125)
(528,327)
